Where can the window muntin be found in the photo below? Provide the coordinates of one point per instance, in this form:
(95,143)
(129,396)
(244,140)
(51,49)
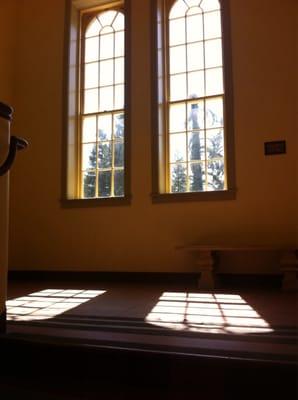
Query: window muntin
(195,113)
(103,115)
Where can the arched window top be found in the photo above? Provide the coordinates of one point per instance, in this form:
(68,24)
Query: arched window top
(182,8)
(106,22)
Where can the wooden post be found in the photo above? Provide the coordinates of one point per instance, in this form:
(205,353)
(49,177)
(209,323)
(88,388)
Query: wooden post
(205,263)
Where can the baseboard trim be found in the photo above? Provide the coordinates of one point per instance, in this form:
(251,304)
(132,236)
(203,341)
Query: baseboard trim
(226,280)
(3,322)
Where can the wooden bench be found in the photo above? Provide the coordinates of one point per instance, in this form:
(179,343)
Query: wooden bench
(205,262)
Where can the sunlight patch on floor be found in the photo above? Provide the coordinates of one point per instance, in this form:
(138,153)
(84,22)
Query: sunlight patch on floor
(48,303)
(206,312)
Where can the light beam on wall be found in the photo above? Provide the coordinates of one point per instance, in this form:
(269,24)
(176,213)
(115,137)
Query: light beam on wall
(206,312)
(48,303)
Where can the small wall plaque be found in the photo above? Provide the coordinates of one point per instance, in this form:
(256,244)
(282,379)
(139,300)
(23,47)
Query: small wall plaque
(273,148)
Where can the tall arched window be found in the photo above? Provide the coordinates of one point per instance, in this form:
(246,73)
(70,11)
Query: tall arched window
(192,108)
(102,114)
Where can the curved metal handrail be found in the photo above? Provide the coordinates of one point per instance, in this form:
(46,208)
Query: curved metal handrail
(16,144)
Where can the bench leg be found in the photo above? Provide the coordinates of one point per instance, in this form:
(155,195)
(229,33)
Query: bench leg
(205,263)
(289,267)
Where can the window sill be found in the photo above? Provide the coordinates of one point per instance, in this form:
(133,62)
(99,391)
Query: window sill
(221,195)
(98,202)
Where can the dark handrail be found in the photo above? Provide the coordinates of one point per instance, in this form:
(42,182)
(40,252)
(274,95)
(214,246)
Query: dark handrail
(15,145)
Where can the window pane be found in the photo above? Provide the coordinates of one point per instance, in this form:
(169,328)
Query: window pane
(107,46)
(119,44)
(216,175)
(214,112)
(196,146)
(119,97)
(177,118)
(214,81)
(177,59)
(212,25)
(106,98)
(177,31)
(91,101)
(210,5)
(119,154)
(93,28)
(105,127)
(118,23)
(89,156)
(195,56)
(119,182)
(215,143)
(89,129)
(194,28)
(178,87)
(195,115)
(91,75)
(104,155)
(107,17)
(106,73)
(91,49)
(196,85)
(119,70)
(179,9)
(178,147)
(104,183)
(178,178)
(213,53)
(119,126)
(89,179)
(197,177)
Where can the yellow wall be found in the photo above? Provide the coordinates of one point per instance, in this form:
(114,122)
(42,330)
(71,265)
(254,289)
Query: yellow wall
(141,237)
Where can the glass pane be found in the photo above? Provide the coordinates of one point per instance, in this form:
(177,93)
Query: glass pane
(107,17)
(119,182)
(214,112)
(91,75)
(89,179)
(93,28)
(179,9)
(118,23)
(91,101)
(107,73)
(195,56)
(178,178)
(177,31)
(178,87)
(104,183)
(89,156)
(195,115)
(214,81)
(119,126)
(119,70)
(197,177)
(89,129)
(194,10)
(105,155)
(215,143)
(105,127)
(178,147)
(177,59)
(196,84)
(106,30)
(212,25)
(194,28)
(119,44)
(210,5)
(106,98)
(196,146)
(119,97)
(177,118)
(216,175)
(213,53)
(106,46)
(193,3)
(91,49)
(119,154)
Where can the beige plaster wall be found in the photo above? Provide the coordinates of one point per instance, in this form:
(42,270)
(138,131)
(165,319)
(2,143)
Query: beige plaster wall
(142,236)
